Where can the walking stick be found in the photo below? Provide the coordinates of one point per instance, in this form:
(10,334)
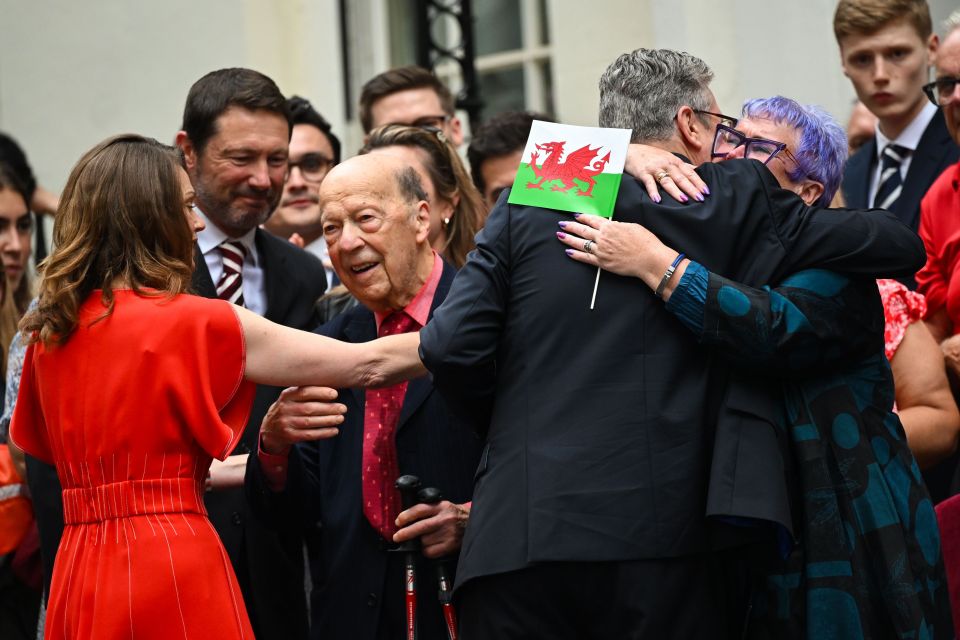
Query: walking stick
(431,495)
(408,487)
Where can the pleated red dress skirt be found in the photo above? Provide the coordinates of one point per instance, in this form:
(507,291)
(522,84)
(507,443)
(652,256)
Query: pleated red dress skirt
(131,410)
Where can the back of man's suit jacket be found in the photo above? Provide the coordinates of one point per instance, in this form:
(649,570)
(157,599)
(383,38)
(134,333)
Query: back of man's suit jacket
(601,421)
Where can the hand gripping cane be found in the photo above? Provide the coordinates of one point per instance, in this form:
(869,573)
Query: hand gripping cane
(408,487)
(430,495)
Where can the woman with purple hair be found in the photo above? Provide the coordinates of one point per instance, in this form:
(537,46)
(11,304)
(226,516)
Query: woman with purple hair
(866,559)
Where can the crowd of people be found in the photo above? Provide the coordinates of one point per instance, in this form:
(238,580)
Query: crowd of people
(261,386)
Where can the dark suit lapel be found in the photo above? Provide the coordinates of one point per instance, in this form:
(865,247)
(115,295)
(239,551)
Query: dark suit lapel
(856,179)
(419,389)
(201,283)
(277,290)
(933,146)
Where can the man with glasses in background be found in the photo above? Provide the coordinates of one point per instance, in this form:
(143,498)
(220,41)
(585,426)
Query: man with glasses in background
(314,150)
(412,96)
(941,237)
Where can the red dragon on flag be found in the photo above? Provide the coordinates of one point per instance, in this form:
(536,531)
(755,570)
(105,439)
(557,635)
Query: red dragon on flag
(579,165)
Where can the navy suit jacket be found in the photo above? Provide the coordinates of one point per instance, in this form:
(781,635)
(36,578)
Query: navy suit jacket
(358,584)
(935,152)
(601,422)
(269,566)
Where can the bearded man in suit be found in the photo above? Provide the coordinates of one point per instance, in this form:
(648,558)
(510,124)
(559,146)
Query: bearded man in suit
(234,139)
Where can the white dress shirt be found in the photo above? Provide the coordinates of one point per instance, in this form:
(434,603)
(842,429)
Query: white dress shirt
(254,293)
(909,138)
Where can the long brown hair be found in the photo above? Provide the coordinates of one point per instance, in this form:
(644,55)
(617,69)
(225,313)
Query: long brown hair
(449,177)
(121,218)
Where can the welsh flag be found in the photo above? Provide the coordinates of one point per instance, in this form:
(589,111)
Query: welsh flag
(571,168)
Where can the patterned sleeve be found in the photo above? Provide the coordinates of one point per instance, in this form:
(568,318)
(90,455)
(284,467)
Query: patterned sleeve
(812,320)
(28,429)
(901,308)
(214,398)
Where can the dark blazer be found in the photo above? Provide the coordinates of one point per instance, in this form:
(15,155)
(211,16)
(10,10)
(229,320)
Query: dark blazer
(601,421)
(269,566)
(358,584)
(935,152)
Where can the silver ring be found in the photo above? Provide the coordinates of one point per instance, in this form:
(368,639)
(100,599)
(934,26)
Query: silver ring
(588,246)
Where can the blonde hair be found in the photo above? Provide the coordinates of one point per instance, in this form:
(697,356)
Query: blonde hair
(121,218)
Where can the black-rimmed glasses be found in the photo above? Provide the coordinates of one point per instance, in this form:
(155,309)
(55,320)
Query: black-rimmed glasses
(313,166)
(941,90)
(727,139)
(725,120)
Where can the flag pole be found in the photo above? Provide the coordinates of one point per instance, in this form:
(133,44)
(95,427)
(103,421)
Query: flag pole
(595,283)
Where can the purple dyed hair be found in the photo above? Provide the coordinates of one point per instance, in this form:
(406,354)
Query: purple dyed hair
(822,148)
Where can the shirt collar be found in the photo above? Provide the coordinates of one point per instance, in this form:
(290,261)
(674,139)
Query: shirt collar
(909,137)
(213,236)
(419,307)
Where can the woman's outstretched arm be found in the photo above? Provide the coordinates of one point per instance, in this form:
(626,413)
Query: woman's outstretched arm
(285,357)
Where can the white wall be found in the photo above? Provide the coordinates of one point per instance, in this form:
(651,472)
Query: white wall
(72,73)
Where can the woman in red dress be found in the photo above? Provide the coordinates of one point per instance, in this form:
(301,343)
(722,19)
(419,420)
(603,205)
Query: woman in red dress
(130,387)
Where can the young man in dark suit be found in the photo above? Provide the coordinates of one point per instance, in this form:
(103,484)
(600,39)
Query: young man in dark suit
(886,49)
(376,221)
(234,139)
(588,516)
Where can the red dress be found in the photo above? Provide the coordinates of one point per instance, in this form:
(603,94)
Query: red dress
(131,410)
(940,229)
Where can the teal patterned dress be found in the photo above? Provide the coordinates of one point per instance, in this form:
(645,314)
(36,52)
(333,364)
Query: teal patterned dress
(867,561)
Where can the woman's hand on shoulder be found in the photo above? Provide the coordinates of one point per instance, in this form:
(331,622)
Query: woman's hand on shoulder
(659,169)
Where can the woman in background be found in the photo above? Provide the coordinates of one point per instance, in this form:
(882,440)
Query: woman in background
(130,387)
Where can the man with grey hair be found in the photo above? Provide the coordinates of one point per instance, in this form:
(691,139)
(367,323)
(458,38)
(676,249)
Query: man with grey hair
(588,512)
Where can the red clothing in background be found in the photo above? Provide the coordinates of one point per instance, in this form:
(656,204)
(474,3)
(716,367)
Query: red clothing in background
(940,231)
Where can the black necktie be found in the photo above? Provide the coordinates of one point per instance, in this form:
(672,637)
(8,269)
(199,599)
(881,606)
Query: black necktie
(888,189)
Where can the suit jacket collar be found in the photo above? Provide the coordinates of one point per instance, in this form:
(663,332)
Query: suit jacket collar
(362,327)
(273,261)
(934,144)
(857,176)
(201,282)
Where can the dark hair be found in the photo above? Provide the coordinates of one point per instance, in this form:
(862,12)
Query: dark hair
(121,218)
(409,185)
(449,178)
(12,155)
(302,112)
(10,179)
(401,79)
(865,17)
(214,93)
(501,135)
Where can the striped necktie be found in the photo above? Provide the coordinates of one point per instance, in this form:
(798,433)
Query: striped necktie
(230,286)
(891,182)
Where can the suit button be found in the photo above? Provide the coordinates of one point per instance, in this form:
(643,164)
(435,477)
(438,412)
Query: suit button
(371,600)
(237,519)
(243,448)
